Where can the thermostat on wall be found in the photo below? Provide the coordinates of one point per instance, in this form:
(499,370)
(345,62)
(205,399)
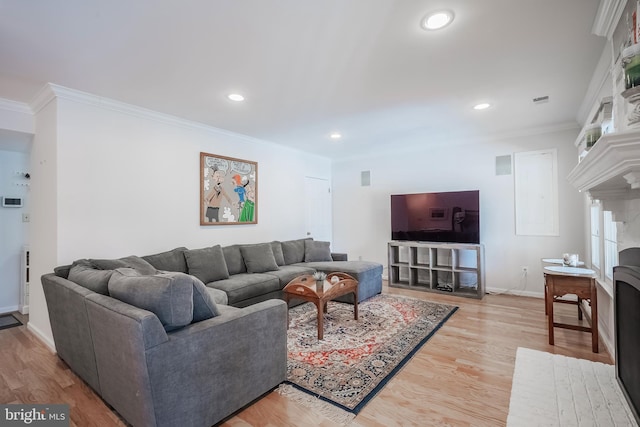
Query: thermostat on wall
(11,202)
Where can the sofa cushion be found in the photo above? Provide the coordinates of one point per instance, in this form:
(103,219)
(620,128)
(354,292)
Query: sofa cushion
(207,264)
(135,262)
(244,286)
(258,258)
(276,247)
(172,260)
(315,251)
(219,297)
(168,295)
(293,251)
(85,274)
(287,273)
(233,258)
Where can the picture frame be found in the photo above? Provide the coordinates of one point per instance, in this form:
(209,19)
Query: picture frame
(228,190)
(439,214)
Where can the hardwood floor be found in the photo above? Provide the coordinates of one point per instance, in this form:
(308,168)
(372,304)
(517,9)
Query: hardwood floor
(460,377)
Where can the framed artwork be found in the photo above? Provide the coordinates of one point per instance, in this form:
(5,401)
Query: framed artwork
(228,190)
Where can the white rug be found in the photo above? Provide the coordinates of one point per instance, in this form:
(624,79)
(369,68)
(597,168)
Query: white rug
(554,390)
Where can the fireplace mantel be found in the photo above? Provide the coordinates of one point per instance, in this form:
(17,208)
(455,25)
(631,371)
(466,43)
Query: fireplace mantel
(611,169)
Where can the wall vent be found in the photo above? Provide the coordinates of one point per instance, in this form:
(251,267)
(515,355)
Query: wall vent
(541,99)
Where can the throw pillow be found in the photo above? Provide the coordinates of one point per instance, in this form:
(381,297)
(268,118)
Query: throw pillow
(259,258)
(293,251)
(316,251)
(87,275)
(204,307)
(168,296)
(135,262)
(277,252)
(207,264)
(172,260)
(233,258)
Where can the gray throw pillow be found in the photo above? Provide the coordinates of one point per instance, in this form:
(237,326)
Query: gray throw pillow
(277,252)
(207,264)
(172,260)
(259,258)
(135,262)
(293,251)
(315,251)
(234,260)
(204,307)
(87,275)
(168,295)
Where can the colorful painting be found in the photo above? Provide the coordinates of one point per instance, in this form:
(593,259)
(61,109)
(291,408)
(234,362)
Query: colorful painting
(228,190)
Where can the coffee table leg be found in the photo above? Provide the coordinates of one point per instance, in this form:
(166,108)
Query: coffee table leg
(320,307)
(286,299)
(355,305)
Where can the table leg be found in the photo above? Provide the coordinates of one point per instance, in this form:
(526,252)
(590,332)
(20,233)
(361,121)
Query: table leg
(549,301)
(355,305)
(579,308)
(286,299)
(546,295)
(320,306)
(594,316)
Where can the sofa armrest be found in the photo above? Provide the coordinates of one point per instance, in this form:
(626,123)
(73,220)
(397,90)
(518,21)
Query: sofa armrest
(122,317)
(121,336)
(222,364)
(336,256)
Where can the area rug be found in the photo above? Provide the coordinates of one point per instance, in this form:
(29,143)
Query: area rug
(8,321)
(554,390)
(356,358)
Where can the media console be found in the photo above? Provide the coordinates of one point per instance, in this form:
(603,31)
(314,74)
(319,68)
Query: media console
(454,268)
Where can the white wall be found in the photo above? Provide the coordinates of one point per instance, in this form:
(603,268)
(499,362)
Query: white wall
(129,184)
(361,215)
(14,234)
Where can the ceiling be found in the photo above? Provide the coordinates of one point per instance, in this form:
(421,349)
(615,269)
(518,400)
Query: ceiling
(364,68)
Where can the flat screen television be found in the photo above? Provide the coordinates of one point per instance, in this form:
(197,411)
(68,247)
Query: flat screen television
(452,216)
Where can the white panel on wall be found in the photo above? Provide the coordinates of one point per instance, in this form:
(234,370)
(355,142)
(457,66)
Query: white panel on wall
(536,193)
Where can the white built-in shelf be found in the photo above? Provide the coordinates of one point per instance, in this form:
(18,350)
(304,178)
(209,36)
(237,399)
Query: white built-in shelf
(611,169)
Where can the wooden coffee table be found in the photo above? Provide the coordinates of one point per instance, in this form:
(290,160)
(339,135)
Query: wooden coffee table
(304,287)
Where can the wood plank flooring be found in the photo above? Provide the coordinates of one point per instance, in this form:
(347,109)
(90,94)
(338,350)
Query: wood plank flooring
(461,377)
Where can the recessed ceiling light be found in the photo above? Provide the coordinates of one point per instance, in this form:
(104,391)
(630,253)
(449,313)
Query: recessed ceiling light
(235,97)
(482,106)
(335,135)
(437,20)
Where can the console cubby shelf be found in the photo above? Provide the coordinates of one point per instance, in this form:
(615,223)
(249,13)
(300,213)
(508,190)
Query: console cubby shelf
(450,268)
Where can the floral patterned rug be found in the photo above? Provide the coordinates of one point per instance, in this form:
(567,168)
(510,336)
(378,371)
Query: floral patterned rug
(356,358)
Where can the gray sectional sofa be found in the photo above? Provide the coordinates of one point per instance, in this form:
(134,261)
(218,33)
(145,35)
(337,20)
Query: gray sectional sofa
(185,337)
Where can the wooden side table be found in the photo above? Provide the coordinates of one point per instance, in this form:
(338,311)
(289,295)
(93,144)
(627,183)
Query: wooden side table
(560,281)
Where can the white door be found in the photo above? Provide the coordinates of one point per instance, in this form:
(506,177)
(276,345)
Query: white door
(318,208)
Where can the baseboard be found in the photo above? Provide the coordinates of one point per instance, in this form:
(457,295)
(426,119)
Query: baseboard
(24,309)
(9,309)
(516,292)
(42,337)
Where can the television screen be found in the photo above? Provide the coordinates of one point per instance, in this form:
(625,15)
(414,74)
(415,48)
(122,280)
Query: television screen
(452,216)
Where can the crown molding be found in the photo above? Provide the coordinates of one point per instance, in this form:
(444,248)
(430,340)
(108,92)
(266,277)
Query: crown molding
(42,98)
(607,17)
(52,91)
(15,106)
(449,142)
